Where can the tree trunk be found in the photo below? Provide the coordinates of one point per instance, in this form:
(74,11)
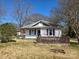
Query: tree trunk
(78,39)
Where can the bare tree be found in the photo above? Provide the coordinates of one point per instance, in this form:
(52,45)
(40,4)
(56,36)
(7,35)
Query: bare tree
(55,16)
(69,11)
(22,11)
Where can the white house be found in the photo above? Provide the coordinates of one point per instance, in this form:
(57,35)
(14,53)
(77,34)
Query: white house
(41,28)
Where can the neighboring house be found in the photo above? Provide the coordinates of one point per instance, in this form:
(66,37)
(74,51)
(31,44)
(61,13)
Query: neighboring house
(41,28)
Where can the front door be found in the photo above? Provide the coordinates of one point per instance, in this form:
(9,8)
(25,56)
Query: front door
(38,32)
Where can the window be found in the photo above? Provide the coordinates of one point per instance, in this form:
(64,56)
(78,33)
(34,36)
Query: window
(29,32)
(47,32)
(50,31)
(32,32)
(35,32)
(53,31)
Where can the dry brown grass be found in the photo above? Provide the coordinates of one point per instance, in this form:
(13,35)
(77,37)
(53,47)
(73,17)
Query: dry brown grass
(26,49)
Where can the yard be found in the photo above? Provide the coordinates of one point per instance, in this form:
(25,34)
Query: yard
(26,49)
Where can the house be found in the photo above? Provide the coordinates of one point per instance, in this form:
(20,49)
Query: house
(41,28)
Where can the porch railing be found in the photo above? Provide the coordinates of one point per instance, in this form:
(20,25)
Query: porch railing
(53,39)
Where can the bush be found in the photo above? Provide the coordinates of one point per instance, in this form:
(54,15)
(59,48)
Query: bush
(7,31)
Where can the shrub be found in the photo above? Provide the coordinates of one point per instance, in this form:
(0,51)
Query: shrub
(7,30)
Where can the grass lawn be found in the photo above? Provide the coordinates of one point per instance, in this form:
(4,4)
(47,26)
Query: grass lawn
(26,49)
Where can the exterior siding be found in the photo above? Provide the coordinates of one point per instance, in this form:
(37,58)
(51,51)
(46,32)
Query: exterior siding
(39,25)
(58,33)
(43,32)
(27,33)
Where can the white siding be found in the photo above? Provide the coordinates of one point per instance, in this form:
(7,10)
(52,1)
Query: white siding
(43,32)
(58,33)
(27,32)
(39,25)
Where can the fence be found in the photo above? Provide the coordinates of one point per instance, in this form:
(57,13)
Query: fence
(53,40)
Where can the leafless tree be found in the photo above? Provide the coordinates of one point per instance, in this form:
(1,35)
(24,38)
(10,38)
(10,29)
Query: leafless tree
(22,11)
(69,11)
(55,16)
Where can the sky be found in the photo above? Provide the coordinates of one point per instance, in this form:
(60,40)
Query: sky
(39,6)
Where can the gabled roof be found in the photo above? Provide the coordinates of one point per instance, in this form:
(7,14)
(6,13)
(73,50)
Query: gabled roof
(47,23)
